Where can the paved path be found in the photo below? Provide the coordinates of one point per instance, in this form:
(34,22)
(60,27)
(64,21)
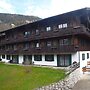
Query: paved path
(83,84)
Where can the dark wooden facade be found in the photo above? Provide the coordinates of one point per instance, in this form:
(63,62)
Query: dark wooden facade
(65,33)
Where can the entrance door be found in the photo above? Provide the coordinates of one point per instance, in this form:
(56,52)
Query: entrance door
(64,60)
(27,59)
(15,59)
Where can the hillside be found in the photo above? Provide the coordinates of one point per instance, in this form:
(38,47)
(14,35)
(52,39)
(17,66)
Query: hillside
(8,21)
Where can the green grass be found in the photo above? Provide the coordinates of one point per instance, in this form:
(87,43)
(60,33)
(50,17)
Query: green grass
(14,77)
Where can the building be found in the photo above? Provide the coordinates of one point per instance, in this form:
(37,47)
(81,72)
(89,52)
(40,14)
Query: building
(56,41)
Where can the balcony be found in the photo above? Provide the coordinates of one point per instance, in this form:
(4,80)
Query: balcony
(46,35)
(43,50)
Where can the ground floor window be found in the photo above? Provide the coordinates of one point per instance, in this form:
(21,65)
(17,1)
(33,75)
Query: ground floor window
(64,60)
(3,56)
(49,57)
(8,57)
(38,57)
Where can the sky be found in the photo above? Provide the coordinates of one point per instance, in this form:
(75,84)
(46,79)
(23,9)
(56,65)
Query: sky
(41,8)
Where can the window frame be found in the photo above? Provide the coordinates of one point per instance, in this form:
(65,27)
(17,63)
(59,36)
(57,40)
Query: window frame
(15,47)
(65,25)
(48,28)
(60,26)
(65,41)
(48,43)
(27,33)
(3,56)
(26,46)
(49,58)
(8,57)
(83,56)
(37,57)
(37,32)
(87,55)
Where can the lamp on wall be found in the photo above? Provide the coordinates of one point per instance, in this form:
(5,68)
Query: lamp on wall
(76,47)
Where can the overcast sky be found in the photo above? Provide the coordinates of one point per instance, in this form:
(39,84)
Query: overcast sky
(41,8)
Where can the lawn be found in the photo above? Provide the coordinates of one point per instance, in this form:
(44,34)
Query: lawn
(15,77)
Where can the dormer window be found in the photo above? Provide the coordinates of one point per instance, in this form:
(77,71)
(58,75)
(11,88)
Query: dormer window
(65,25)
(48,29)
(60,26)
(26,34)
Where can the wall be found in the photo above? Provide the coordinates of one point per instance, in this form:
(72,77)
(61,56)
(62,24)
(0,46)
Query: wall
(75,57)
(20,59)
(4,60)
(83,63)
(43,62)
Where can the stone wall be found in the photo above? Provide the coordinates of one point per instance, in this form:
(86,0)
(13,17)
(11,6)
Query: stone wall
(66,84)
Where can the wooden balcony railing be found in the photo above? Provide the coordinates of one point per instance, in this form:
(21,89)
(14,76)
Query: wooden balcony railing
(45,35)
(42,50)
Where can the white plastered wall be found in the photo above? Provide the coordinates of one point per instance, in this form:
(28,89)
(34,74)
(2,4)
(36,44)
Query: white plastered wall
(75,57)
(43,62)
(83,63)
(20,59)
(4,59)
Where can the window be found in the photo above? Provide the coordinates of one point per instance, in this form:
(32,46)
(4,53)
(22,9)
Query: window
(3,47)
(15,47)
(38,57)
(37,44)
(49,57)
(48,43)
(37,32)
(83,42)
(11,46)
(65,25)
(65,41)
(87,55)
(3,56)
(48,29)
(55,43)
(83,56)
(61,42)
(26,46)
(8,47)
(8,57)
(64,60)
(60,26)
(26,34)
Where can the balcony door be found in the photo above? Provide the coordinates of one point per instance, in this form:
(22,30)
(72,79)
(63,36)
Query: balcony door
(64,60)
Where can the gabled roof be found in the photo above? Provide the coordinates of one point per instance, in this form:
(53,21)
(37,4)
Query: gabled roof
(54,19)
